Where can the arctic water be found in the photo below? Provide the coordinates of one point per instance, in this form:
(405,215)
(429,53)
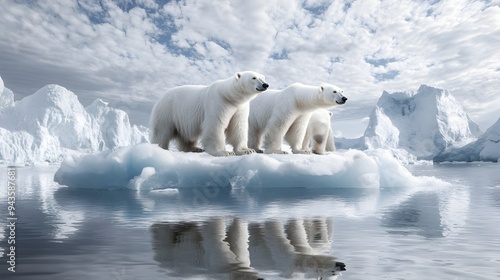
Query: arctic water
(268,233)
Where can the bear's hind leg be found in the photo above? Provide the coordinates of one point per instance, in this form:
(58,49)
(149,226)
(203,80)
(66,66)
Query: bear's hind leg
(188,146)
(254,141)
(274,132)
(319,143)
(162,136)
(296,133)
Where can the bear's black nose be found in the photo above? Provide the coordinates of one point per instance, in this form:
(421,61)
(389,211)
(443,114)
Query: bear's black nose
(264,85)
(344,98)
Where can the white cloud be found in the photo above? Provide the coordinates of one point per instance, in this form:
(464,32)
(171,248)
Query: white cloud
(129,52)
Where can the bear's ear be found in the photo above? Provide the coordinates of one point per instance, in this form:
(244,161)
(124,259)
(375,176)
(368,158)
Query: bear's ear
(237,76)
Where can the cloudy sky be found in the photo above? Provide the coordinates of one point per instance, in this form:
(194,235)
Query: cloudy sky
(128,52)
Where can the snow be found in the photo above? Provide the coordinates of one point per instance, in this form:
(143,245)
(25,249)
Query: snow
(146,166)
(424,124)
(52,124)
(486,148)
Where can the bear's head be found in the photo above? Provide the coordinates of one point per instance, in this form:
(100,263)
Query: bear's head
(332,95)
(251,82)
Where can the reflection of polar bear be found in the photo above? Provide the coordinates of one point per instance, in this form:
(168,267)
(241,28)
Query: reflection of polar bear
(285,113)
(319,133)
(186,248)
(295,247)
(187,113)
(300,248)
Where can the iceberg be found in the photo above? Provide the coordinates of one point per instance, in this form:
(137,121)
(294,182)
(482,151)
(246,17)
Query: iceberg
(146,166)
(52,124)
(485,148)
(6,96)
(424,124)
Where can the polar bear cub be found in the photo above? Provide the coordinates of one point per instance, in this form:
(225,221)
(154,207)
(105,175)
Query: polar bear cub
(319,133)
(212,113)
(285,113)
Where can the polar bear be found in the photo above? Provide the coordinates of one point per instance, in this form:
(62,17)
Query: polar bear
(319,133)
(285,113)
(188,113)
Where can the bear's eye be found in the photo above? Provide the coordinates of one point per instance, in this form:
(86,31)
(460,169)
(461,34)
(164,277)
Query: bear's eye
(254,78)
(334,91)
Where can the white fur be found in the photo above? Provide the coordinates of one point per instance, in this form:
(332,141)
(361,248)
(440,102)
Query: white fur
(319,133)
(285,113)
(192,112)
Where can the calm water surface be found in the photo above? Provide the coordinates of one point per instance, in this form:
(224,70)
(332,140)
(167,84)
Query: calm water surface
(267,233)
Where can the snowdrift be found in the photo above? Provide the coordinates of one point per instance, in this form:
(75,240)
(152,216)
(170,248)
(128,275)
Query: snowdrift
(147,166)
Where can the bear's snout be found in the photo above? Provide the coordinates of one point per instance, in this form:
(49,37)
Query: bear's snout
(262,87)
(344,99)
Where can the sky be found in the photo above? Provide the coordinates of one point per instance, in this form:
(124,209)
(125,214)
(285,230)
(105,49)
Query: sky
(129,52)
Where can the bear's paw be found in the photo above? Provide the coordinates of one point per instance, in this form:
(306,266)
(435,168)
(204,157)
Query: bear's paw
(269,151)
(244,151)
(304,152)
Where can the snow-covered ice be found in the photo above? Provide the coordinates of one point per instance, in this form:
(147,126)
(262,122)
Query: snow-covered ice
(147,166)
(424,124)
(52,124)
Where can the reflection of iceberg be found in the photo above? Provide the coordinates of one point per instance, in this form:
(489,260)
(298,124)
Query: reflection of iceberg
(454,209)
(65,222)
(246,251)
(430,214)
(255,204)
(37,186)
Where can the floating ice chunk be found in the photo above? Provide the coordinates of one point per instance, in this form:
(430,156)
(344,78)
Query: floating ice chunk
(147,166)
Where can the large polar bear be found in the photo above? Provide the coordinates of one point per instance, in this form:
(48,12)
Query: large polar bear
(285,113)
(188,113)
(319,133)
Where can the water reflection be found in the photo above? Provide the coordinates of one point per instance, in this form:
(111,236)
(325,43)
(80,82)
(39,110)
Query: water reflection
(270,233)
(235,249)
(430,214)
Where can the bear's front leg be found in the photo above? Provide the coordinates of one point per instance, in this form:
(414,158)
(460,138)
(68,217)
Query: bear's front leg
(213,141)
(237,132)
(330,142)
(307,139)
